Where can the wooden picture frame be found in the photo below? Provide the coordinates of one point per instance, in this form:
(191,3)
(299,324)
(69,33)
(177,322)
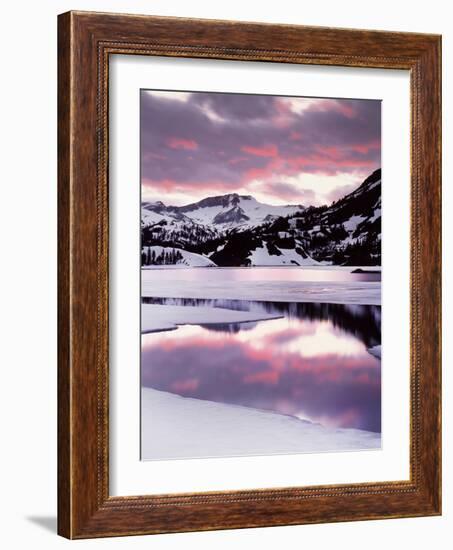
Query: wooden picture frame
(85,42)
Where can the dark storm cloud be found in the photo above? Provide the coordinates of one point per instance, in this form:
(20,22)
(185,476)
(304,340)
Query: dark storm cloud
(235,106)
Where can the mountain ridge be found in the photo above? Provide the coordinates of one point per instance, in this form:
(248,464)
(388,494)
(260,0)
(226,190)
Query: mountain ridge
(236,229)
(224,211)
(217,200)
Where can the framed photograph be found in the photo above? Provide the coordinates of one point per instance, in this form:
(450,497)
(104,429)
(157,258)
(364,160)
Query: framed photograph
(249,275)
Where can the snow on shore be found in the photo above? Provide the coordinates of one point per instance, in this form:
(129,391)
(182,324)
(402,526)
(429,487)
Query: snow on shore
(287,257)
(181,427)
(188,259)
(348,268)
(347,292)
(324,266)
(156,317)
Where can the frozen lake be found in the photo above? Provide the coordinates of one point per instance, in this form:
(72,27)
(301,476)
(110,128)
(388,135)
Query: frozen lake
(288,284)
(304,362)
(277,273)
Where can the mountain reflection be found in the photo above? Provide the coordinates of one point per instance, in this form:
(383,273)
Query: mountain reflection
(312,363)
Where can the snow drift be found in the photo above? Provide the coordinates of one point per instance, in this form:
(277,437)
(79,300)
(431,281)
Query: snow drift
(156,317)
(182,427)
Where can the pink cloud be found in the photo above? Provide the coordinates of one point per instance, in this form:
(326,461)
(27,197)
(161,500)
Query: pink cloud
(265,151)
(267,377)
(254,131)
(326,164)
(172,186)
(345,109)
(154,156)
(181,143)
(282,107)
(283,116)
(334,105)
(329,162)
(332,152)
(237,160)
(270,169)
(366,148)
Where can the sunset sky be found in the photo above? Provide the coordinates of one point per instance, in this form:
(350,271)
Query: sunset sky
(281,150)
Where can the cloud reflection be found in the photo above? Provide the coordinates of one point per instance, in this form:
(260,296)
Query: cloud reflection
(308,368)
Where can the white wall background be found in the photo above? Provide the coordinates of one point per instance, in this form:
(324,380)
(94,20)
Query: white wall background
(28,125)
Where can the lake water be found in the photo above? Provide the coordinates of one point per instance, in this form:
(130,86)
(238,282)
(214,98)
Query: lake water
(311,363)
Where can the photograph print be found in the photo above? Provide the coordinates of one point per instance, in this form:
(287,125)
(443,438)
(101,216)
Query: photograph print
(260,274)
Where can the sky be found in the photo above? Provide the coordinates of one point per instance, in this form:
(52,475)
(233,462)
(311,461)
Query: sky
(280,150)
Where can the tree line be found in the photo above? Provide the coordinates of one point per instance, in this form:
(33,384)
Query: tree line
(166,257)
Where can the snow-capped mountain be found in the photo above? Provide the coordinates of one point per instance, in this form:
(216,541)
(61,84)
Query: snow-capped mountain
(237,230)
(348,232)
(223,212)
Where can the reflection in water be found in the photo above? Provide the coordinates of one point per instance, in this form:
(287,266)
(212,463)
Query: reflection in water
(312,363)
(362,321)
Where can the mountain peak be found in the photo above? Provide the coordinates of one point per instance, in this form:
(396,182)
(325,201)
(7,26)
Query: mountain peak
(234,215)
(224,201)
(224,212)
